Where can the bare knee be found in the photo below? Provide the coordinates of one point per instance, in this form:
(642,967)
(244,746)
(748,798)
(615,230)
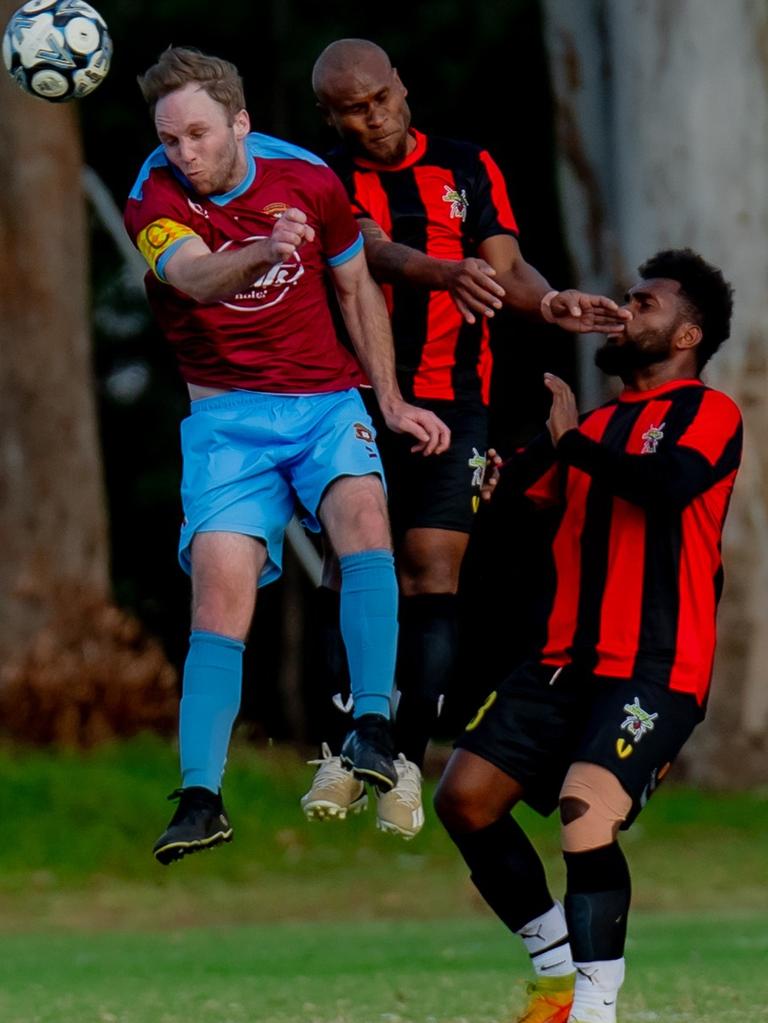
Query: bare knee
(593,806)
(473,794)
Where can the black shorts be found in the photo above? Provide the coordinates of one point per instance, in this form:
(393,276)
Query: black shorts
(436,491)
(540,720)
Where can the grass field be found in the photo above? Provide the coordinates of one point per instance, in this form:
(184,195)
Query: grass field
(299,923)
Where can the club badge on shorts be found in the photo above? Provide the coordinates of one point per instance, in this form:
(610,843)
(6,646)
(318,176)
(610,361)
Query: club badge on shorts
(638,723)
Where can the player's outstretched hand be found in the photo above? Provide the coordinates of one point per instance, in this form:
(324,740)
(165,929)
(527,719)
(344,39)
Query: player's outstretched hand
(432,435)
(493,463)
(564,414)
(472,287)
(585,314)
(290,231)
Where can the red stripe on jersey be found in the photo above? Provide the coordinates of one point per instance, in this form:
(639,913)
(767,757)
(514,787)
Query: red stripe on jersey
(700,561)
(485,363)
(546,490)
(622,602)
(566,550)
(434,376)
(370,195)
(499,194)
(717,421)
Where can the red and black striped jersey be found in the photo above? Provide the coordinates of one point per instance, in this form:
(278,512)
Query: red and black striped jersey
(444,199)
(643,486)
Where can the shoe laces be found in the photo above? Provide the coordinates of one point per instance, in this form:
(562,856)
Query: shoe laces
(408,788)
(329,767)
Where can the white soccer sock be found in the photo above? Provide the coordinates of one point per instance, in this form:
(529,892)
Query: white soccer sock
(597,987)
(546,939)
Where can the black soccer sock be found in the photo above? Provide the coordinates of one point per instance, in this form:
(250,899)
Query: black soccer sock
(597,900)
(426,658)
(335,702)
(507,871)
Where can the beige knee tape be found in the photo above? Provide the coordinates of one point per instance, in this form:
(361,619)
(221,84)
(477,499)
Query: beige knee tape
(606,802)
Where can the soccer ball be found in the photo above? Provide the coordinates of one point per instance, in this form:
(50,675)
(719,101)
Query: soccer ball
(57,49)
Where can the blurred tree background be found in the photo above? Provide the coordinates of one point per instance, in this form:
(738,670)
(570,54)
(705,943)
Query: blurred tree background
(506,74)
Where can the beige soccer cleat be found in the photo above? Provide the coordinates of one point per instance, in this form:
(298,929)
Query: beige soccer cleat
(335,791)
(549,1000)
(399,811)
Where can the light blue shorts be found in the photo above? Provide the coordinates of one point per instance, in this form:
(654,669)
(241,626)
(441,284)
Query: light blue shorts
(250,458)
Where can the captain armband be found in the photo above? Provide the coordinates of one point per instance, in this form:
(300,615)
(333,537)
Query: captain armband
(159,239)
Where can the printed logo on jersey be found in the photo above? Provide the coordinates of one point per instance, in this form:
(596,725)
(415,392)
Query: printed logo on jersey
(197,208)
(638,722)
(275,209)
(157,237)
(272,287)
(651,439)
(477,463)
(458,201)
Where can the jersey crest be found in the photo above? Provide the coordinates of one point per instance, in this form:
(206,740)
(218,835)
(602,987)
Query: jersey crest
(458,200)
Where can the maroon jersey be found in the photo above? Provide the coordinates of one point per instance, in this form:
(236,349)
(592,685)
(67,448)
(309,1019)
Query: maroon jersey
(277,335)
(444,199)
(644,485)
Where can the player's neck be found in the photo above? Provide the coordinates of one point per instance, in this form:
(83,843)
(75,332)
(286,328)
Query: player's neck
(650,377)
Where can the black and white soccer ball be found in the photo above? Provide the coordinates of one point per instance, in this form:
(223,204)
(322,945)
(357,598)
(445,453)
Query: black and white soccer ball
(57,49)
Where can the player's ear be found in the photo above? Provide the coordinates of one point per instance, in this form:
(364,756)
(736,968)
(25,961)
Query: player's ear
(398,80)
(325,113)
(241,124)
(690,335)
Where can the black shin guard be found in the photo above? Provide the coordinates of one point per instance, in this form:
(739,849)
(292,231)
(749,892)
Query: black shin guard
(507,871)
(597,901)
(426,659)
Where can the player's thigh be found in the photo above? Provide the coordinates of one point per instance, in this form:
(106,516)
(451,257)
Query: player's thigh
(636,730)
(528,728)
(339,445)
(232,481)
(440,492)
(225,572)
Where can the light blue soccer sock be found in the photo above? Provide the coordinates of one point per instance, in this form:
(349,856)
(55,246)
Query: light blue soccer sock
(213,680)
(369,628)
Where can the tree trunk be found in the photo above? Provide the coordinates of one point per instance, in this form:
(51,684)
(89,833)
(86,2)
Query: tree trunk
(58,630)
(663,137)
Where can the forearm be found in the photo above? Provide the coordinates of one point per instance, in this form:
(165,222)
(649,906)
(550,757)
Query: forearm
(367,321)
(392,263)
(524,288)
(671,479)
(213,276)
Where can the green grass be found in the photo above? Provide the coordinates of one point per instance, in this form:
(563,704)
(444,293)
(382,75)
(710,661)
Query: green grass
(324,923)
(683,970)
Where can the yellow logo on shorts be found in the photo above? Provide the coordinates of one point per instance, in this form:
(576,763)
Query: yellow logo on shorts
(483,711)
(623,749)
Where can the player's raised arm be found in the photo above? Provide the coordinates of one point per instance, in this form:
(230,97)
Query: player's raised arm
(211,276)
(526,291)
(367,321)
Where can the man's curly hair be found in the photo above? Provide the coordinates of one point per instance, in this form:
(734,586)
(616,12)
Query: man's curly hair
(708,296)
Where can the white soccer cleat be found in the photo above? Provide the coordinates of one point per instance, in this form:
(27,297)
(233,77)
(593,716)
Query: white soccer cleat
(399,811)
(335,791)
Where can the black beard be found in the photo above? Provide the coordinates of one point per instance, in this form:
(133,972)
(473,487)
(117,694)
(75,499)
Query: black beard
(622,359)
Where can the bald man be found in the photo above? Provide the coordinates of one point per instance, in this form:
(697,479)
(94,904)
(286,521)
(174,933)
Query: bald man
(440,234)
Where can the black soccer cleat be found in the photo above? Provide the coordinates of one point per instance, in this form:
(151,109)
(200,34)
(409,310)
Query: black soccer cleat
(369,751)
(200,822)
